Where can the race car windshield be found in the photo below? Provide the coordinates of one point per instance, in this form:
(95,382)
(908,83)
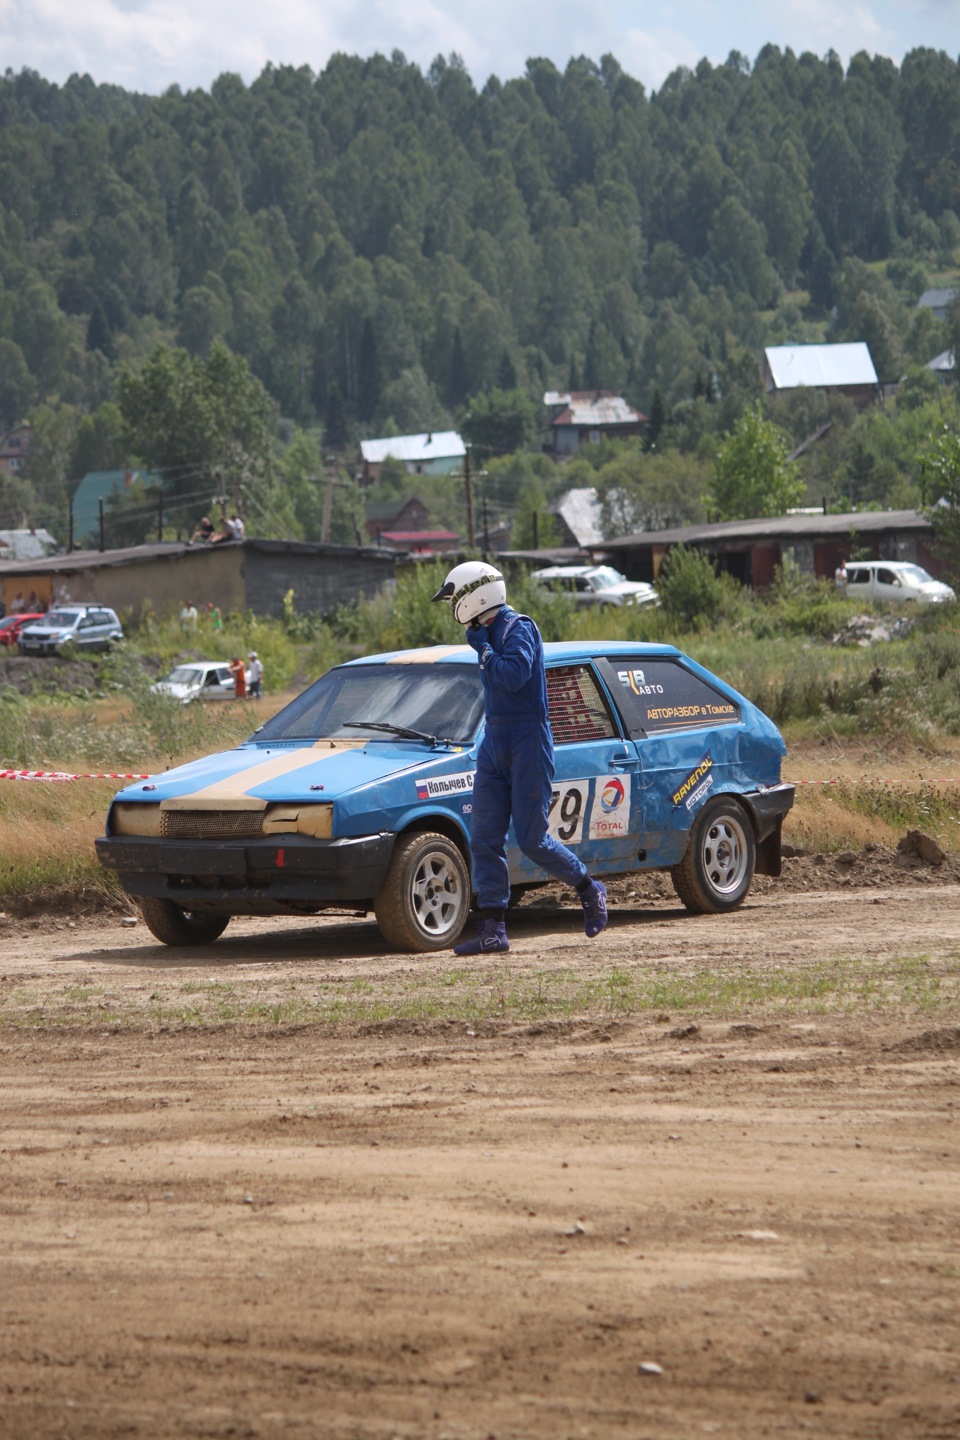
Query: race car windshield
(441,700)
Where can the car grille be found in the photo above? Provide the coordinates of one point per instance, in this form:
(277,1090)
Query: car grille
(210,824)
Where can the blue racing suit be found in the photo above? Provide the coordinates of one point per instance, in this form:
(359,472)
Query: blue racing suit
(515,770)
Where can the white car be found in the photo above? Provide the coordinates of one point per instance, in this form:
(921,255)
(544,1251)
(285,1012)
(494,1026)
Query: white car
(596,585)
(896,581)
(197,680)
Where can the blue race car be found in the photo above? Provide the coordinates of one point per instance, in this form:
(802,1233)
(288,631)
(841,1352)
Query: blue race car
(358,794)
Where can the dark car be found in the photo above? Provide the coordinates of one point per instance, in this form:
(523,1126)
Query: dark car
(359,793)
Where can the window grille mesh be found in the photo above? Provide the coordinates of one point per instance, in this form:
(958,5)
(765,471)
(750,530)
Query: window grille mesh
(577,709)
(210,824)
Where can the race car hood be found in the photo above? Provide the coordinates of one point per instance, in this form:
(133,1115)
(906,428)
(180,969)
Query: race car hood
(258,775)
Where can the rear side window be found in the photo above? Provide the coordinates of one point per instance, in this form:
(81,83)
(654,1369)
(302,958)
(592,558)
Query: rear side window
(857,577)
(578,710)
(657,695)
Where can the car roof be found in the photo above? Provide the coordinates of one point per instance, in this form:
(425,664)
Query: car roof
(566,572)
(559,650)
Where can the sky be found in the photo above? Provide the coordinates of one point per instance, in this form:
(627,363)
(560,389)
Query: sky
(148,45)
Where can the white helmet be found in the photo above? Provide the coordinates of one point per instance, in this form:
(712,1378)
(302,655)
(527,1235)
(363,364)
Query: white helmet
(472,588)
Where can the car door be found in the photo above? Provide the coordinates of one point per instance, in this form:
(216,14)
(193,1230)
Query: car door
(685,734)
(593,806)
(888,585)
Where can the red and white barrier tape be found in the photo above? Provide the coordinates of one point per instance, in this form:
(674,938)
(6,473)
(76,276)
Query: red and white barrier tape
(64,775)
(877,780)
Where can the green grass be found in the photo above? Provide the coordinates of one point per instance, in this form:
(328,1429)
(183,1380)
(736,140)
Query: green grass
(905,984)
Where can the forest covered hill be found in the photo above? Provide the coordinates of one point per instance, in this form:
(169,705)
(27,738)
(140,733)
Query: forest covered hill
(383,246)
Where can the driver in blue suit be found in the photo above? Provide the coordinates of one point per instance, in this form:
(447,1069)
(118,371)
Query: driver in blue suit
(515,767)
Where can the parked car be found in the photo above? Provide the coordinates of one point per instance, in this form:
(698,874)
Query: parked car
(197,680)
(358,793)
(11,625)
(88,627)
(896,581)
(596,585)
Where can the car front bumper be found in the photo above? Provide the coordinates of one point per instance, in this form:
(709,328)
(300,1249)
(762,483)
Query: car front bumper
(287,873)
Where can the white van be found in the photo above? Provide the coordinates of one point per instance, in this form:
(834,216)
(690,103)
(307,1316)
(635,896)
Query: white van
(895,581)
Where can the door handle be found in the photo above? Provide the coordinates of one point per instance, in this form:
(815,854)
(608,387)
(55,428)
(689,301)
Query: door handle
(624,762)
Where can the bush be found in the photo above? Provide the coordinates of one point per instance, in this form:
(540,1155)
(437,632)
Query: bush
(692,593)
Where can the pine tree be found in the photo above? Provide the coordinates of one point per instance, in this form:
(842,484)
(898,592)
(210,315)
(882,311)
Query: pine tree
(335,430)
(370,379)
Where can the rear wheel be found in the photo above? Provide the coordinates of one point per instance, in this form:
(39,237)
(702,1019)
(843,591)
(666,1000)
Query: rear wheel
(424,900)
(180,927)
(716,872)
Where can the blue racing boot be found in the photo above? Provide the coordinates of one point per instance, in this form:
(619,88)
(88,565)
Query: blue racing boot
(490,939)
(594,903)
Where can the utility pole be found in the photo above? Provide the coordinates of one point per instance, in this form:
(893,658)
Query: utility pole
(486,529)
(327,507)
(159,517)
(536,529)
(471,533)
(103,541)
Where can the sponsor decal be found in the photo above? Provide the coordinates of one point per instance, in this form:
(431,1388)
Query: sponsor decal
(696,785)
(610,818)
(569,805)
(437,787)
(692,712)
(634,680)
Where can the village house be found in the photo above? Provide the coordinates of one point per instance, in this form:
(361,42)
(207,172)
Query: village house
(439,452)
(584,417)
(840,369)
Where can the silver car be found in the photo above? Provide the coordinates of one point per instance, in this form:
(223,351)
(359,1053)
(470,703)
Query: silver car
(88,627)
(596,585)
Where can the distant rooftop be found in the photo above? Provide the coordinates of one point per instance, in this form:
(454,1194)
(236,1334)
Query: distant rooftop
(591,407)
(820,366)
(943,364)
(936,300)
(416,449)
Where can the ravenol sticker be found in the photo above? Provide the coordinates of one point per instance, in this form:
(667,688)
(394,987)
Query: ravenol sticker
(610,816)
(437,787)
(696,785)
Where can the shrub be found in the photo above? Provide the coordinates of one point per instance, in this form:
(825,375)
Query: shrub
(693,594)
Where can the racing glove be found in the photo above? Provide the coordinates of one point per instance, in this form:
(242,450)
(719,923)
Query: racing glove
(476,637)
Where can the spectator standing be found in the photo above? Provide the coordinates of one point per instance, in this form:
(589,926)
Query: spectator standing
(212,613)
(239,674)
(255,676)
(17,604)
(188,617)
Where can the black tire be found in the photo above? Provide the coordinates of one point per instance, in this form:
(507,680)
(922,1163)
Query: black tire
(425,897)
(717,870)
(180,927)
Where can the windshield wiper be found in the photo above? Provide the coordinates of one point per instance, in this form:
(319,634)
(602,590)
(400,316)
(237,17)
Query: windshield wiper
(402,730)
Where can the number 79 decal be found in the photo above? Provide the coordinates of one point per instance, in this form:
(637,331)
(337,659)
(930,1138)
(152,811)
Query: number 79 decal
(569,807)
(608,818)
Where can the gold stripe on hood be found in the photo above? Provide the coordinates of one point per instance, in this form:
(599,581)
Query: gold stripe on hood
(233,792)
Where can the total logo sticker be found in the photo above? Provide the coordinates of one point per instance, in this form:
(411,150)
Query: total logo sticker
(610,814)
(612,795)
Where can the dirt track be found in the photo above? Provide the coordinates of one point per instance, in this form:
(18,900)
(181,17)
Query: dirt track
(469,1228)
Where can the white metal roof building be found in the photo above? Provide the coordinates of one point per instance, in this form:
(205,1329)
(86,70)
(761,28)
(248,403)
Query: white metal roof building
(819,366)
(435,453)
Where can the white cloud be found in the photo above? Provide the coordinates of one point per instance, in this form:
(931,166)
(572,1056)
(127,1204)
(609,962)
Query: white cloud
(151,44)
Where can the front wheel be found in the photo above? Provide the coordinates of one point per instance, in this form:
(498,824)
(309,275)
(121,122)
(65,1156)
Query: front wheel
(180,927)
(717,870)
(423,902)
